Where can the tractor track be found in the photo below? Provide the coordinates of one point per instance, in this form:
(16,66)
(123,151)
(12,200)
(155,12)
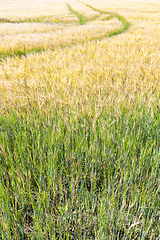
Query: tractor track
(82,20)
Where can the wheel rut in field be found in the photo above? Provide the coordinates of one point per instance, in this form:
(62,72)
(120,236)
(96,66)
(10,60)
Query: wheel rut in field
(82,20)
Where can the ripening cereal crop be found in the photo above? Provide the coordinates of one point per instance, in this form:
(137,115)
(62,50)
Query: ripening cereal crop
(79,119)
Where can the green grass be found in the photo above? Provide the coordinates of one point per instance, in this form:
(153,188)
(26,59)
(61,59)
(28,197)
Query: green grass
(41,19)
(68,176)
(82,19)
(125,23)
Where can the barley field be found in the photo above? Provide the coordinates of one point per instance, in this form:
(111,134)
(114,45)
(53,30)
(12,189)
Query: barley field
(79,120)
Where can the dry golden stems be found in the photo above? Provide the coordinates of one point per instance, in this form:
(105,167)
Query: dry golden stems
(27,28)
(13,10)
(119,69)
(50,39)
(113,69)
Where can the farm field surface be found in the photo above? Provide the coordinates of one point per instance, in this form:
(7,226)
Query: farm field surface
(80,119)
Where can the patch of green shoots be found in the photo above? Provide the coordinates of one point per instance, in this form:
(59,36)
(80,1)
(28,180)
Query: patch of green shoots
(76,176)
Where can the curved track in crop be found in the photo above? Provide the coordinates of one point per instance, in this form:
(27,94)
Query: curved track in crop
(81,20)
